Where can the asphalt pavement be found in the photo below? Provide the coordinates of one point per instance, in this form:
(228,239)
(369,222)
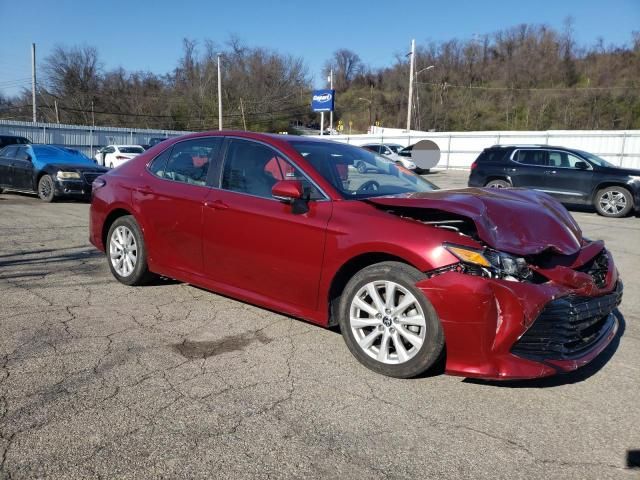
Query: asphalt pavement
(102,380)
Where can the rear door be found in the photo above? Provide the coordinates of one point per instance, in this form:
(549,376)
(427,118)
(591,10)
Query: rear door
(170,198)
(527,168)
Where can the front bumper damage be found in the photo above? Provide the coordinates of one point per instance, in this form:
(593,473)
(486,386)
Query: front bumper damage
(499,329)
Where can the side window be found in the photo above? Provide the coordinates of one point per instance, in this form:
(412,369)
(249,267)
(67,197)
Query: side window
(22,153)
(558,159)
(189,161)
(531,157)
(572,160)
(254,169)
(157,164)
(9,152)
(251,168)
(110,150)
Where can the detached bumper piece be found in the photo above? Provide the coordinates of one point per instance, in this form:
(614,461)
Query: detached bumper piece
(570,328)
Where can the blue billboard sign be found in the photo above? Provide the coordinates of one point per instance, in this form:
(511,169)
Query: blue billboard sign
(322,100)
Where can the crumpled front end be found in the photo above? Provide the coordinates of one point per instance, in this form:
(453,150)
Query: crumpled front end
(558,321)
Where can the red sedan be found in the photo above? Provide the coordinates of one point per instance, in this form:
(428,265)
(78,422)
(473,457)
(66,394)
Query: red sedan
(501,283)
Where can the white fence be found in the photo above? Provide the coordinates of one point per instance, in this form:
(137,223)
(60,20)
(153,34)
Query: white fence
(460,149)
(80,137)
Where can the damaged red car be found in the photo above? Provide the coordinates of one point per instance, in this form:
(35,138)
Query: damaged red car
(500,284)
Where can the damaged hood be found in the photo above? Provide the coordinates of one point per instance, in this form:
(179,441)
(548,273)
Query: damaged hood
(518,221)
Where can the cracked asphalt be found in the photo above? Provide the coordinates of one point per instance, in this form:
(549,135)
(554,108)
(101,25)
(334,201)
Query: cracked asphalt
(102,380)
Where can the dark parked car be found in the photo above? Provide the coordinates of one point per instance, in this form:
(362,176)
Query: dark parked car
(156,140)
(12,140)
(572,176)
(501,279)
(48,170)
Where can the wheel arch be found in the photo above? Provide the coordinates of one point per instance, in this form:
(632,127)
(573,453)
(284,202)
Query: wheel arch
(348,270)
(611,183)
(110,218)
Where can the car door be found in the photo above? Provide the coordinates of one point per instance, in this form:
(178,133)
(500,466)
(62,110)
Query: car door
(109,156)
(256,243)
(7,155)
(526,168)
(22,169)
(170,197)
(568,177)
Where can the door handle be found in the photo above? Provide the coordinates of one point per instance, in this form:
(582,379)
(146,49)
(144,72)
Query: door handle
(550,172)
(216,205)
(511,169)
(145,190)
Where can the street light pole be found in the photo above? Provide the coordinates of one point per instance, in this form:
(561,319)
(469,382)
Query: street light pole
(33,82)
(331,112)
(411,66)
(219,96)
(418,95)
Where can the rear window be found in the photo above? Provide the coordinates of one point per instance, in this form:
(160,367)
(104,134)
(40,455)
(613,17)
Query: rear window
(131,149)
(491,155)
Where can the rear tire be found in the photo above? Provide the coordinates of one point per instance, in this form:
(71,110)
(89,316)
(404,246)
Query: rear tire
(362,167)
(614,202)
(126,252)
(397,334)
(46,189)
(498,183)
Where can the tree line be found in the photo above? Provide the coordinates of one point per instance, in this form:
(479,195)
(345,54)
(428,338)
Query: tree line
(528,77)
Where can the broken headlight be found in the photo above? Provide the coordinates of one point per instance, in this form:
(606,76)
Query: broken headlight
(492,263)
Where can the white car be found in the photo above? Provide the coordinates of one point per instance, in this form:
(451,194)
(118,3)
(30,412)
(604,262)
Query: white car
(390,150)
(113,156)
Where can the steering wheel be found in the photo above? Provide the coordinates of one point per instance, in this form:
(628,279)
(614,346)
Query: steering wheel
(369,186)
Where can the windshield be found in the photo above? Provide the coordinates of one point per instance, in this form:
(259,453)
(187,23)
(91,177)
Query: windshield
(601,162)
(131,149)
(358,173)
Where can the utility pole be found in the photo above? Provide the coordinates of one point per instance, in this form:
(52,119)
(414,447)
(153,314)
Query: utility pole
(93,117)
(411,67)
(331,112)
(220,97)
(244,123)
(33,82)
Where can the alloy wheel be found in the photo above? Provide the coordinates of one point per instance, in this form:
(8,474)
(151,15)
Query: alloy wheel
(45,188)
(123,251)
(387,322)
(612,202)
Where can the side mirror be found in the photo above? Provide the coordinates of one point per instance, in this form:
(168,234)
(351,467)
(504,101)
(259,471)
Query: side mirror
(582,165)
(287,190)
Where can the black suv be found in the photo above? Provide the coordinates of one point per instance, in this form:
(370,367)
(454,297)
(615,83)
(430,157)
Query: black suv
(572,176)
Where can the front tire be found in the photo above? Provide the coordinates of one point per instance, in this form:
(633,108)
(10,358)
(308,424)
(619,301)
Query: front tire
(362,167)
(613,202)
(387,322)
(498,183)
(126,252)
(46,189)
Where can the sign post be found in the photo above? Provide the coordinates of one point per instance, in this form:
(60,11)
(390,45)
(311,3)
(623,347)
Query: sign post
(322,101)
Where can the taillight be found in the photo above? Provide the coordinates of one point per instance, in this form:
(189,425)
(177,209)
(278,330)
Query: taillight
(474,165)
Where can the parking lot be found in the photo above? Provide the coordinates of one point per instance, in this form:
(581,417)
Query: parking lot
(102,380)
